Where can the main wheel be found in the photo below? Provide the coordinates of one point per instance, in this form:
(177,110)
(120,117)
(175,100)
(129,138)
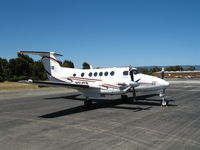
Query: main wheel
(124,98)
(164,102)
(87,103)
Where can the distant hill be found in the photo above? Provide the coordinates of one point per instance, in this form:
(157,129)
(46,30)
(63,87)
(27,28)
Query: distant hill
(197,67)
(184,66)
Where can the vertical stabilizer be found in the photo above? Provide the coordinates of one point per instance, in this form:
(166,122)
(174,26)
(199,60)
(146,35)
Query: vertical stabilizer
(51,65)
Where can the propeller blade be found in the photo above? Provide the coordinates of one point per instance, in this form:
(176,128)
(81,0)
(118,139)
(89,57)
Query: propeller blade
(133,84)
(138,80)
(134,95)
(132,76)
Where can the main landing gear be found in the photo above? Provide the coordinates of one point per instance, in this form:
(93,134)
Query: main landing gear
(124,98)
(164,101)
(87,102)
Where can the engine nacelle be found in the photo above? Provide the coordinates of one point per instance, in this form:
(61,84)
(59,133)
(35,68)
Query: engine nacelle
(134,84)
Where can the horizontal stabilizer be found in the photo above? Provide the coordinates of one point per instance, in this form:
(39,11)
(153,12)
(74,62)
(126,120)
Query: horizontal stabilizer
(39,53)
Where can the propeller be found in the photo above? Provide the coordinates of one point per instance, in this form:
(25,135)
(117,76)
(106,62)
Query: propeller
(133,84)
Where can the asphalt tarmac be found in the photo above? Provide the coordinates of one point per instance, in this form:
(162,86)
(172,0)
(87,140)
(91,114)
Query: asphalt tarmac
(60,121)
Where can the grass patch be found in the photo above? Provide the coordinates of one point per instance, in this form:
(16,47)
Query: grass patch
(16,86)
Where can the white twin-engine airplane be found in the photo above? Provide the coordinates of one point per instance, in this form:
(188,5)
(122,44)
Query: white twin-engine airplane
(99,82)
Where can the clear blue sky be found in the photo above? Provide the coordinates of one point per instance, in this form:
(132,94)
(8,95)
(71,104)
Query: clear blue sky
(104,33)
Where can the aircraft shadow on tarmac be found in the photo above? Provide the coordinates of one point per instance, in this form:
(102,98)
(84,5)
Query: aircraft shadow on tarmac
(104,103)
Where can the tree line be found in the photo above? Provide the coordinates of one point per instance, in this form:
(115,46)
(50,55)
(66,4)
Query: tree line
(24,67)
(150,71)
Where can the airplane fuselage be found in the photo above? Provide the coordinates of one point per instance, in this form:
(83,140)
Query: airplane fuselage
(108,80)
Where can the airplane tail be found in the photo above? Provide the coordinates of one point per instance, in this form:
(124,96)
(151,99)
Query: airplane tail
(51,65)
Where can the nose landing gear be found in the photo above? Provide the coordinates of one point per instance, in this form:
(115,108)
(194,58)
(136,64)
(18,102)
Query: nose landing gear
(164,101)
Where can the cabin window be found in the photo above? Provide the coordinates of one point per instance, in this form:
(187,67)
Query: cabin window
(100,73)
(95,74)
(82,74)
(90,74)
(106,73)
(125,73)
(74,74)
(112,73)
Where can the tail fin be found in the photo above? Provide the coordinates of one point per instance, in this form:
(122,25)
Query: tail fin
(51,65)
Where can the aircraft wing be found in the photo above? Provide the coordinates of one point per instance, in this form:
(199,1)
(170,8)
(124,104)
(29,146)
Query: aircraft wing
(55,84)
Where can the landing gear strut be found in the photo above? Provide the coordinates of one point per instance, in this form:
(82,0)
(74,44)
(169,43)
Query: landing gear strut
(164,101)
(87,102)
(124,98)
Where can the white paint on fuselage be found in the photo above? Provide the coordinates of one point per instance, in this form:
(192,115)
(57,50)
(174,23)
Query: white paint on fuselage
(110,84)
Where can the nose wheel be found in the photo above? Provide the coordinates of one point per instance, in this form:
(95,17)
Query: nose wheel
(164,101)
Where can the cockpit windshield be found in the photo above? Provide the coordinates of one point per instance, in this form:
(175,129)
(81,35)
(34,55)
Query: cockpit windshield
(135,71)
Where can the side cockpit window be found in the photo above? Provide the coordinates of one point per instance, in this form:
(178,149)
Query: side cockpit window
(135,71)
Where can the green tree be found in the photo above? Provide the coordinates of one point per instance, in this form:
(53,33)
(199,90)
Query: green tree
(154,69)
(174,68)
(85,65)
(191,68)
(143,70)
(38,72)
(20,68)
(67,64)
(3,69)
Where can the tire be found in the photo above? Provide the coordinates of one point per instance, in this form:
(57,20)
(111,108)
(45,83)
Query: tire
(88,103)
(124,98)
(164,103)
